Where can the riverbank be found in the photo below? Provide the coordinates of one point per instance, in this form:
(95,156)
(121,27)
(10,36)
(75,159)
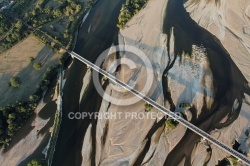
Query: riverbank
(30,141)
(50,149)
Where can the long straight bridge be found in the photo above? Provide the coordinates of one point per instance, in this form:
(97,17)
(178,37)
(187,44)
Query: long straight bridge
(149,100)
(161,108)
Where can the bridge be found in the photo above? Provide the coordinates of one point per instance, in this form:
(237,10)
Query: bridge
(149,100)
(161,108)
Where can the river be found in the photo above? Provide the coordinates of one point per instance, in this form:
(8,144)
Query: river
(229,81)
(103,19)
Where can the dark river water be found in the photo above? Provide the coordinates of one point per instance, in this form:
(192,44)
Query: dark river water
(103,19)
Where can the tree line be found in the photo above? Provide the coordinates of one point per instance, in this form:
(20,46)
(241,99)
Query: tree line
(16,32)
(128,10)
(4,24)
(13,116)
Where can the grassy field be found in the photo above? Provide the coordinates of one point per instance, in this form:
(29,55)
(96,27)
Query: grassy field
(16,62)
(55,21)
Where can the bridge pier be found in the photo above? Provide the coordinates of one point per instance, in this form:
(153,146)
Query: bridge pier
(72,56)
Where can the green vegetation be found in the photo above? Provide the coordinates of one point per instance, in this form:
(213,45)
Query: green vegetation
(233,160)
(13,116)
(37,66)
(63,58)
(104,78)
(56,128)
(185,105)
(49,20)
(4,24)
(32,59)
(15,33)
(148,107)
(34,162)
(15,82)
(129,9)
(172,124)
(54,22)
(20,6)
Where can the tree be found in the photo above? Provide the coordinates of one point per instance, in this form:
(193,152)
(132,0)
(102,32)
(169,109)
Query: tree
(71,18)
(57,13)
(37,66)
(65,35)
(15,82)
(73,5)
(148,107)
(78,8)
(34,162)
(34,98)
(172,124)
(129,9)
(47,10)
(12,116)
(32,59)
(18,25)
